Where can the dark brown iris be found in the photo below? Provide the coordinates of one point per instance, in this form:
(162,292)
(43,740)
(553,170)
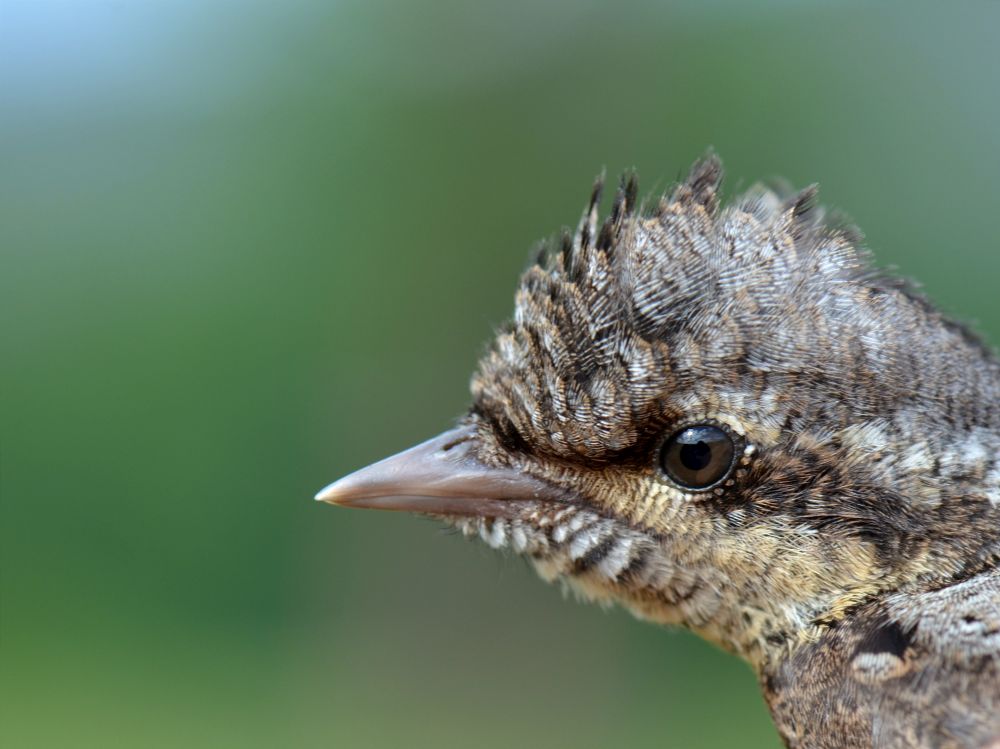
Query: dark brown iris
(698,457)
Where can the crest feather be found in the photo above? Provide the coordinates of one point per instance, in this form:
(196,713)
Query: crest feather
(616,326)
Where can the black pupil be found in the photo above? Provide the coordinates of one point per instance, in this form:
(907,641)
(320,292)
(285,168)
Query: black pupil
(696,456)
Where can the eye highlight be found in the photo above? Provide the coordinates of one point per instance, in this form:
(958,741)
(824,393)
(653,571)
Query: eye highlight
(698,457)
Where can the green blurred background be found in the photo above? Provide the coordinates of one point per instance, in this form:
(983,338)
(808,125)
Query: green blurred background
(249,246)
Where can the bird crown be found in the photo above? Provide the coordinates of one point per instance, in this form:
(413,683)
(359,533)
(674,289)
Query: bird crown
(622,323)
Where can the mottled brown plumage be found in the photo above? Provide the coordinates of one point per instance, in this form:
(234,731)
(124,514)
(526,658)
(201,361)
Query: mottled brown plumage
(848,551)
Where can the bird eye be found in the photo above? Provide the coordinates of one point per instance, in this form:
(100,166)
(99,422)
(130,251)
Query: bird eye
(698,457)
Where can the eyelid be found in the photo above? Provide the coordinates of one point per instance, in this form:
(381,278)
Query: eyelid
(679,425)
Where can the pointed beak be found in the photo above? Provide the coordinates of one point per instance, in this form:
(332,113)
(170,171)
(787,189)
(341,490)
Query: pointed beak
(441,476)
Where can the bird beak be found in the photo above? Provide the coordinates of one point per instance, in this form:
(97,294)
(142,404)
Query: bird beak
(441,476)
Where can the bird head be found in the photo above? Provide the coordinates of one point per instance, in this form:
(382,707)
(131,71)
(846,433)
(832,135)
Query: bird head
(719,417)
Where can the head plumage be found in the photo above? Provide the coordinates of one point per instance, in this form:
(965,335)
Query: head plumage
(621,325)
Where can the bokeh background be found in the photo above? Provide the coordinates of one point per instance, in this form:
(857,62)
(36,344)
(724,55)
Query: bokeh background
(250,246)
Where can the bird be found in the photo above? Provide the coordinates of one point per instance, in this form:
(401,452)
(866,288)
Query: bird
(722,416)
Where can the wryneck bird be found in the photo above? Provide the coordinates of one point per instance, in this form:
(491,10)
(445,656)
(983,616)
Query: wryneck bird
(723,418)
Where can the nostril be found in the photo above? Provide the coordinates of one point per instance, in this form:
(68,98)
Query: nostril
(456,442)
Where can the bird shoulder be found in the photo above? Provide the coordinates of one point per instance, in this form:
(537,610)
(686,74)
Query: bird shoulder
(909,670)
